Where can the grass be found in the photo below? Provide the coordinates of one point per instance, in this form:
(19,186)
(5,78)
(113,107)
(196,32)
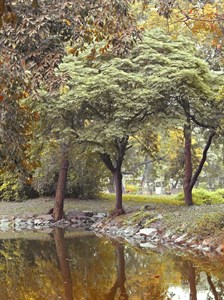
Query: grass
(200,197)
(157,199)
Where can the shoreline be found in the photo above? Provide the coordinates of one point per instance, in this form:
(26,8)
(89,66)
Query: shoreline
(197,228)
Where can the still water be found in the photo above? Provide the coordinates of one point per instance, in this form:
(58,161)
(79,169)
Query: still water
(82,266)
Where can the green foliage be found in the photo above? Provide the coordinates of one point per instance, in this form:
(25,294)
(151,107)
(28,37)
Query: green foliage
(220,192)
(86,177)
(202,196)
(132,189)
(13,188)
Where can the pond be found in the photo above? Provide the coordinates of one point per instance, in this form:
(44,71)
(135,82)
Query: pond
(80,265)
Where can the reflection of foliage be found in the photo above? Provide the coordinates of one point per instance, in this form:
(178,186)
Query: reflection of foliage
(30,270)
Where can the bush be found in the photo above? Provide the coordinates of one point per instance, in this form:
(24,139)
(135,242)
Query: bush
(203,196)
(85,176)
(220,192)
(132,189)
(12,188)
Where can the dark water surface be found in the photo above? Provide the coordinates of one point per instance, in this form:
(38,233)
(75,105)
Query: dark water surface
(82,266)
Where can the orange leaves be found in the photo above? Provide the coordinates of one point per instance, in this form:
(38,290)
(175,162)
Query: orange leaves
(1,97)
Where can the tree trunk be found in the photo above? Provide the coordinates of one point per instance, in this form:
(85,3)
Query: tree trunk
(188,165)
(63,261)
(58,212)
(118,189)
(120,282)
(192,281)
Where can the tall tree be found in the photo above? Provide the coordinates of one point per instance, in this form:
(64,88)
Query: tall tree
(114,99)
(186,82)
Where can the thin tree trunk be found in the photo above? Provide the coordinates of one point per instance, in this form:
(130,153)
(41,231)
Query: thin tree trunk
(63,261)
(213,289)
(203,159)
(118,189)
(188,165)
(58,211)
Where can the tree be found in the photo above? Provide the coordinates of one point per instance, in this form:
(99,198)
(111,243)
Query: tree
(186,82)
(201,21)
(34,35)
(33,39)
(113,100)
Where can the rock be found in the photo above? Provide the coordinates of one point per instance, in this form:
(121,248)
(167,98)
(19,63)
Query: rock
(88,213)
(27,215)
(147,245)
(38,222)
(147,231)
(113,230)
(100,215)
(45,217)
(181,239)
(130,231)
(70,214)
(220,249)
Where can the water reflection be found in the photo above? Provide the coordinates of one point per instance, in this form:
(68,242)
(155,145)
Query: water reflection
(81,266)
(192,281)
(61,250)
(120,280)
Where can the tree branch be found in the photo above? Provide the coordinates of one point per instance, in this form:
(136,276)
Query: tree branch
(201,124)
(107,161)
(203,159)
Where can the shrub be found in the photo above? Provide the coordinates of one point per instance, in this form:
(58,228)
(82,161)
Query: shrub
(12,188)
(203,196)
(132,189)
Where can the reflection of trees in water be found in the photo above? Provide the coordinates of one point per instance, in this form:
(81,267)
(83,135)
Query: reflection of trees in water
(120,280)
(63,261)
(192,281)
(99,270)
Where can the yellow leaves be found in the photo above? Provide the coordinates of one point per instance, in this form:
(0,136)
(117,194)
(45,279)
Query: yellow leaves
(72,50)
(63,89)
(67,22)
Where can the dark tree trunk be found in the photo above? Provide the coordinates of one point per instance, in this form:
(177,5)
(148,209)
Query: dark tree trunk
(120,282)
(213,289)
(118,189)
(192,282)
(63,261)
(188,165)
(58,211)
(116,172)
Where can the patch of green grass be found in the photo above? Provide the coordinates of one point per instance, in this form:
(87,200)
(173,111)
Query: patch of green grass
(158,199)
